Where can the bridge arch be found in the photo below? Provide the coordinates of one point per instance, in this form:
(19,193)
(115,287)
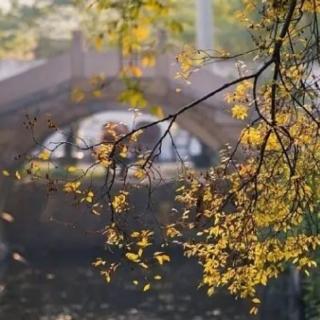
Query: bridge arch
(44,92)
(56,106)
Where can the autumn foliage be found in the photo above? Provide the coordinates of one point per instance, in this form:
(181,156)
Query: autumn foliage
(255,213)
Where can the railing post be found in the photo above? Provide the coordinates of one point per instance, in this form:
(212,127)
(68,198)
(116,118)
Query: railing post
(204,24)
(162,68)
(77,58)
(78,76)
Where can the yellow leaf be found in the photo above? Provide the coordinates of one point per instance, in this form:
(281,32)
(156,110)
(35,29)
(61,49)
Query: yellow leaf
(97,93)
(146,287)
(135,98)
(124,152)
(256,300)
(176,27)
(141,32)
(89,199)
(7,217)
(135,282)
(210,291)
(106,275)
(157,111)
(148,60)
(72,169)
(172,231)
(132,71)
(72,187)
(44,155)
(18,176)
(239,111)
(18,257)
(99,262)
(97,213)
(157,277)
(143,265)
(99,42)
(161,257)
(254,310)
(135,136)
(136,71)
(77,95)
(5,173)
(132,257)
(119,202)
(139,173)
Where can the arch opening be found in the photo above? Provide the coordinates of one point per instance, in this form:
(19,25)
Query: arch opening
(88,131)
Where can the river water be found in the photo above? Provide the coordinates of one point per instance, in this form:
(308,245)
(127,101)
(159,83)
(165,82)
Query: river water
(57,281)
(64,286)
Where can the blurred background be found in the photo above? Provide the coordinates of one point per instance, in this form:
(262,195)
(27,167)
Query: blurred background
(47,248)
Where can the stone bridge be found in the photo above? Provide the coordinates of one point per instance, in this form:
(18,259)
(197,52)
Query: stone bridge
(44,92)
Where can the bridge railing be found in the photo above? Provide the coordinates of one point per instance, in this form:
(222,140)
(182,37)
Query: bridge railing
(45,76)
(77,64)
(80,64)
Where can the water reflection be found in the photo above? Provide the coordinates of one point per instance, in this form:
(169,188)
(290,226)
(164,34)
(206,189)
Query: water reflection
(65,287)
